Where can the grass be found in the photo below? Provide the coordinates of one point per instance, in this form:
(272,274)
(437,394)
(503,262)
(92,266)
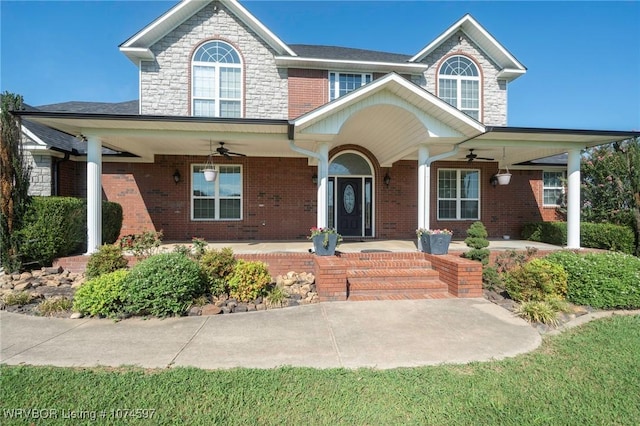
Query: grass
(587,375)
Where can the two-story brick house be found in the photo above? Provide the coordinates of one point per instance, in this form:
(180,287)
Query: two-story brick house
(374,144)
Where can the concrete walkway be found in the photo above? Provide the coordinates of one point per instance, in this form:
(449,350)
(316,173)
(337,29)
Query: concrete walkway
(372,334)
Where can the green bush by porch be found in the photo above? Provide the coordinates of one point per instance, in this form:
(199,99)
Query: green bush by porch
(601,280)
(593,235)
(57,227)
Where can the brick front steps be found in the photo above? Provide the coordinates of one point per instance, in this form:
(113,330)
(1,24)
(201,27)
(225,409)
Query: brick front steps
(370,279)
(366,276)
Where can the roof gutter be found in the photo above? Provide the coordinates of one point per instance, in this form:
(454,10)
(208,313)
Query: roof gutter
(295,148)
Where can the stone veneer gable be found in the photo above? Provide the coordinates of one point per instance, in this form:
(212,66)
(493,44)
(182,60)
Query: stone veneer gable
(165,82)
(494,90)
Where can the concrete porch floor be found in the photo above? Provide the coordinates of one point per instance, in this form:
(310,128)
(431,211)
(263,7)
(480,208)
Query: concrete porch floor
(353,246)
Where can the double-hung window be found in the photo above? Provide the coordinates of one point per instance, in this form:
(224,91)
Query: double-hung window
(553,188)
(458,194)
(459,85)
(341,83)
(217,200)
(216,86)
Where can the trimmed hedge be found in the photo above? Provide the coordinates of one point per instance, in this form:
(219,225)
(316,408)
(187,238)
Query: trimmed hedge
(604,236)
(57,227)
(162,285)
(54,227)
(601,280)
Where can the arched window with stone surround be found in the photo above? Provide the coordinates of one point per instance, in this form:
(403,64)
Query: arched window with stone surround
(216,81)
(459,85)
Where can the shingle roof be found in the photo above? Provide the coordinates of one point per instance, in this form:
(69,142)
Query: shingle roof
(60,141)
(346,53)
(118,108)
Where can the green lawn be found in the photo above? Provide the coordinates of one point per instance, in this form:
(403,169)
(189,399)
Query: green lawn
(586,376)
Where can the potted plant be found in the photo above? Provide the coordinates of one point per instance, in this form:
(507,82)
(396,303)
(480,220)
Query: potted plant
(434,241)
(325,240)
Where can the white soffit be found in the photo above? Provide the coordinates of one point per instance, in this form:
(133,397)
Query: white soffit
(400,87)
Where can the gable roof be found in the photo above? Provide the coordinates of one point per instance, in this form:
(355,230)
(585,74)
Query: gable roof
(137,47)
(511,68)
(347,53)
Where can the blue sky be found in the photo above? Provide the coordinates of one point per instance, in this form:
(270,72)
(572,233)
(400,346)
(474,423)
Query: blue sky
(583,58)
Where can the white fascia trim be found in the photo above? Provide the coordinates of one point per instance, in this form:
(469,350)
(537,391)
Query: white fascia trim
(156,25)
(341,64)
(258,27)
(511,73)
(137,54)
(40,143)
(467,19)
(376,85)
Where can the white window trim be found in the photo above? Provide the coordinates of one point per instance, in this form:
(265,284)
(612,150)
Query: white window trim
(217,99)
(336,88)
(545,187)
(216,195)
(458,198)
(458,79)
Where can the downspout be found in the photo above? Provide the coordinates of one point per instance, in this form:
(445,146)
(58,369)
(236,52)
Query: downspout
(56,173)
(323,175)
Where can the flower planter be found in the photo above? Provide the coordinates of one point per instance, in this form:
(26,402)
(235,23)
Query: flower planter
(320,249)
(503,178)
(210,175)
(435,243)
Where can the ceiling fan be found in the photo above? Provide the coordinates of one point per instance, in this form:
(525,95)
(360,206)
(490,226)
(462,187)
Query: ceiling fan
(226,153)
(472,156)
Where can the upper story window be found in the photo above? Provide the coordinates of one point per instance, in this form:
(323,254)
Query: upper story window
(553,188)
(341,83)
(458,194)
(459,85)
(216,89)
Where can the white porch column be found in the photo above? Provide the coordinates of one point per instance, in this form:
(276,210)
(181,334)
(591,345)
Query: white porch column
(573,199)
(323,185)
(94,194)
(424,188)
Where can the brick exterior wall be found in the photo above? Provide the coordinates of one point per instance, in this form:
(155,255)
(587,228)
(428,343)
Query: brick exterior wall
(493,91)
(308,89)
(165,83)
(279,198)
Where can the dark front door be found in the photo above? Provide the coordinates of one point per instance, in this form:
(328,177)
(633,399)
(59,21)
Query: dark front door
(349,203)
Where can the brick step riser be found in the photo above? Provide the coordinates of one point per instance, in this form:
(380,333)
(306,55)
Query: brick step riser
(361,298)
(389,277)
(399,293)
(395,264)
(353,287)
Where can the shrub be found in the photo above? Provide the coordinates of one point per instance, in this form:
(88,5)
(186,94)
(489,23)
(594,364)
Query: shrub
(111,222)
(103,295)
(537,280)
(17,298)
(217,266)
(54,227)
(601,280)
(275,297)
(477,240)
(604,236)
(142,245)
(538,311)
(54,305)
(510,259)
(107,259)
(162,285)
(249,281)
(491,278)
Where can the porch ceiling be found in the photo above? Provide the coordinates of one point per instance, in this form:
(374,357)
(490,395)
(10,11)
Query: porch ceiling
(390,131)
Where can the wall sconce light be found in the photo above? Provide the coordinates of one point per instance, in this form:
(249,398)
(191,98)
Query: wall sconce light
(176,176)
(314,178)
(387,179)
(493,181)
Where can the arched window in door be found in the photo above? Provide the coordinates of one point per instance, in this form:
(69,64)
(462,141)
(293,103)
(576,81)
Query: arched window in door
(351,195)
